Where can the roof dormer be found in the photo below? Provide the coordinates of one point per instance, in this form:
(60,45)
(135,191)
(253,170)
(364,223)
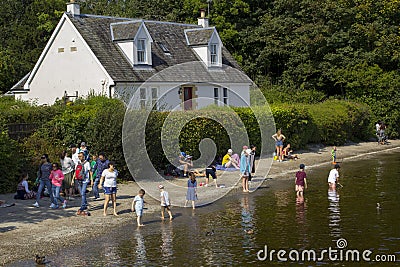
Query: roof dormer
(207,44)
(134,40)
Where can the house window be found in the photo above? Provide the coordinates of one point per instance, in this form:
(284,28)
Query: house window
(73,48)
(225,96)
(141,51)
(214,54)
(154,97)
(61,50)
(142,98)
(216,98)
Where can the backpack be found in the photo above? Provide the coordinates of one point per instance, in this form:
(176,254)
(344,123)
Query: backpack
(79,171)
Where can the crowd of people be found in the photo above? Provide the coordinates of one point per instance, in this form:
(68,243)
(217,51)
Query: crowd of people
(71,175)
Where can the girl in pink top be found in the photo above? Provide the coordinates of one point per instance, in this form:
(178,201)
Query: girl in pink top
(56,177)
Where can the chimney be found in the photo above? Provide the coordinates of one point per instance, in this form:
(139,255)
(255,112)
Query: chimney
(202,21)
(73,8)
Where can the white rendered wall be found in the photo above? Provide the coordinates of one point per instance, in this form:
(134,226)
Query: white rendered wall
(67,71)
(127,48)
(202,52)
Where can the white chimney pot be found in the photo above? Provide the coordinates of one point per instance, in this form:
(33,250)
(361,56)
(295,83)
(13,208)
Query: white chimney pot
(73,8)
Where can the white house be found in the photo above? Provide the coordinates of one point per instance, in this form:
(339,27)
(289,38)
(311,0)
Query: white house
(164,64)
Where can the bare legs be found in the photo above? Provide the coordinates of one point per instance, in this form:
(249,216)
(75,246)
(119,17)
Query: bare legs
(245,183)
(107,200)
(279,152)
(193,206)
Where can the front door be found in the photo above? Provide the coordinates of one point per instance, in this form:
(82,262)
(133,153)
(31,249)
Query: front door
(187,97)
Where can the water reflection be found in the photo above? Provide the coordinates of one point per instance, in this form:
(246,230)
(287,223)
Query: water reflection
(167,239)
(247,223)
(334,213)
(141,255)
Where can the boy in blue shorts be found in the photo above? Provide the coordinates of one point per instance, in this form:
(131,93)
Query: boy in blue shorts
(137,206)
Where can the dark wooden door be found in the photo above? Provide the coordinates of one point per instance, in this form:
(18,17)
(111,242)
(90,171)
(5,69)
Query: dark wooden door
(187,97)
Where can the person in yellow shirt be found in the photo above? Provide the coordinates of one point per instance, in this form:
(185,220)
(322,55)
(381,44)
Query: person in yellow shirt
(228,161)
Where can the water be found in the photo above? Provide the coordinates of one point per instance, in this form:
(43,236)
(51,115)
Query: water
(244,223)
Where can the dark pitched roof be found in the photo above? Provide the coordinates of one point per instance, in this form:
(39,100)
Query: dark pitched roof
(199,36)
(125,30)
(96,31)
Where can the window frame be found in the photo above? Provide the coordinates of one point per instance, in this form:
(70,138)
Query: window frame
(141,53)
(214,54)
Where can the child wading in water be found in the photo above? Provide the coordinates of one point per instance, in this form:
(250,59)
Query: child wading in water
(301,181)
(137,206)
(165,203)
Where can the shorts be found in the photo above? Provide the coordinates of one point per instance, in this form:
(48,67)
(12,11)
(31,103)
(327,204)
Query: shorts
(299,188)
(211,172)
(110,190)
(139,212)
(66,183)
(165,208)
(279,143)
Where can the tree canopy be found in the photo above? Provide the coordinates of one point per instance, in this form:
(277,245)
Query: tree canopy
(339,48)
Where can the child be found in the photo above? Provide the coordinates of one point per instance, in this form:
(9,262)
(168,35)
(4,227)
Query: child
(333,153)
(165,203)
(137,206)
(333,177)
(56,177)
(301,181)
(191,194)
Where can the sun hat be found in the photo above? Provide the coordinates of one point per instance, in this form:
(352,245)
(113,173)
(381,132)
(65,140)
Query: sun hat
(160,186)
(302,166)
(183,154)
(245,147)
(230,150)
(83,144)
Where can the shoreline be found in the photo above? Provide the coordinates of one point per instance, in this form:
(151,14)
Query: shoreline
(27,231)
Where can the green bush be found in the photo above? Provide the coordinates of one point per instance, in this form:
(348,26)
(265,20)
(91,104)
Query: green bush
(98,121)
(340,121)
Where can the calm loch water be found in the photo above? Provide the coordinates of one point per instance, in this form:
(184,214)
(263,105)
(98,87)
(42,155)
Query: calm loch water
(233,230)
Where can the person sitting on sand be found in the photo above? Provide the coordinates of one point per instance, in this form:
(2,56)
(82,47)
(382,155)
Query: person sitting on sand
(185,162)
(23,191)
(228,160)
(287,153)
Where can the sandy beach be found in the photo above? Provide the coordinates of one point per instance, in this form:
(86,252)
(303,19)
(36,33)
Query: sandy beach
(26,231)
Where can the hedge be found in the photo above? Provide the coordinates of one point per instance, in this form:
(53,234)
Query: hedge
(98,121)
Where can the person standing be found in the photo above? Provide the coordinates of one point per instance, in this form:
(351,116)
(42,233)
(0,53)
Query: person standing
(82,177)
(44,179)
(84,150)
(279,138)
(253,160)
(165,203)
(211,171)
(75,159)
(138,205)
(245,169)
(333,177)
(300,181)
(191,194)
(109,176)
(67,167)
(333,154)
(101,164)
(57,177)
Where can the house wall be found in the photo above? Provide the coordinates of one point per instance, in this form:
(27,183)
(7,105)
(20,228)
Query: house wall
(67,66)
(169,98)
(202,52)
(127,48)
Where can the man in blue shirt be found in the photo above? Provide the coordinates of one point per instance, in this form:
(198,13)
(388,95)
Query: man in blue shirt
(99,167)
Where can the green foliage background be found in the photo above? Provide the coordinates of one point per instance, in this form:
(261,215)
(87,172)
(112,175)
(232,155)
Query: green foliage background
(98,121)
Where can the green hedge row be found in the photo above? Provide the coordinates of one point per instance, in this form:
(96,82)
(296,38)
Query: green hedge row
(98,121)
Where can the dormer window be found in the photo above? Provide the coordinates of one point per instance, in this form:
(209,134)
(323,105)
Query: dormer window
(141,51)
(214,54)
